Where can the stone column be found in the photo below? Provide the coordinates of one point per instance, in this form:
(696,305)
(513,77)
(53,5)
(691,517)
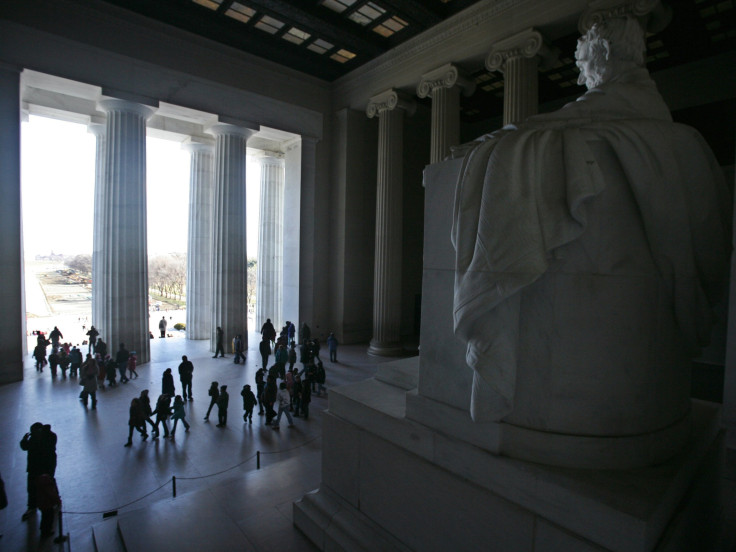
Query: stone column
(389,107)
(98,282)
(299,237)
(199,245)
(270,241)
(443,85)
(518,57)
(122,235)
(229,264)
(11,246)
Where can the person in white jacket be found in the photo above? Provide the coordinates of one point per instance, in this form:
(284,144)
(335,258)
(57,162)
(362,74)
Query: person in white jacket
(284,400)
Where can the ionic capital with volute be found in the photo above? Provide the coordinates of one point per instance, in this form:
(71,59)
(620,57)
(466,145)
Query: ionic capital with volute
(527,44)
(388,101)
(447,76)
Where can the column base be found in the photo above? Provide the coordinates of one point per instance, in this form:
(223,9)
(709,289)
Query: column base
(385,349)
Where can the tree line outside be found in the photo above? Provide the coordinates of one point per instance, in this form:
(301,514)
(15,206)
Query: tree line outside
(167,275)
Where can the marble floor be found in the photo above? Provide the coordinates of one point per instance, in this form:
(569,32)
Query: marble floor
(221,494)
(96,474)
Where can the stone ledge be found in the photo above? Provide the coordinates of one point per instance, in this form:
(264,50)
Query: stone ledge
(621,510)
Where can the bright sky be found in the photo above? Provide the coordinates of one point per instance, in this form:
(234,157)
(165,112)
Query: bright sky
(58,178)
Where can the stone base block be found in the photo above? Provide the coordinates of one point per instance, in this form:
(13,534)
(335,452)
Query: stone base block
(389,483)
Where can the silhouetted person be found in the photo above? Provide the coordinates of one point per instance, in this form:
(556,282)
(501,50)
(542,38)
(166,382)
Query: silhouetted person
(136,420)
(121,357)
(186,371)
(53,361)
(249,401)
(264,348)
(75,360)
(48,500)
(305,397)
(268,332)
(101,348)
(162,326)
(39,353)
(178,413)
(238,342)
(132,363)
(214,393)
(222,403)
(163,411)
(64,362)
(167,383)
(55,336)
(88,381)
(269,397)
(260,386)
(92,333)
(218,342)
(40,444)
(145,401)
(332,346)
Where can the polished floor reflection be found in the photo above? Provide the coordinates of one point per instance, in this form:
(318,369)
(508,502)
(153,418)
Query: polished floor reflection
(97,474)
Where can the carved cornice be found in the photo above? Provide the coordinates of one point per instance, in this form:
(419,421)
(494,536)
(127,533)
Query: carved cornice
(446,76)
(388,101)
(653,15)
(527,44)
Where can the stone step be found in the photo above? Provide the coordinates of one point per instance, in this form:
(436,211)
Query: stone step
(107,537)
(402,373)
(245,511)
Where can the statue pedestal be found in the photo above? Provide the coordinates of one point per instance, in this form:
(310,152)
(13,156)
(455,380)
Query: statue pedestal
(404,466)
(391,483)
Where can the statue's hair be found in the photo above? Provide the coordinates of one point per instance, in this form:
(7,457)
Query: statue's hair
(610,44)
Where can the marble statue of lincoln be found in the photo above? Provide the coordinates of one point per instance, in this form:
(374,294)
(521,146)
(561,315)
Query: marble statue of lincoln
(591,244)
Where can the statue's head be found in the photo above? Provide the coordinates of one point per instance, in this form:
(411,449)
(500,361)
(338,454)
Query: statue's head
(608,49)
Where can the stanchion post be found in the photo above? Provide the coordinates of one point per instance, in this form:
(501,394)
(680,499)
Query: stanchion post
(61,538)
(258,459)
(173,484)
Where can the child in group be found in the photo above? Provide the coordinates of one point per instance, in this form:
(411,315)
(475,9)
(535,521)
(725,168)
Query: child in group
(178,413)
(132,360)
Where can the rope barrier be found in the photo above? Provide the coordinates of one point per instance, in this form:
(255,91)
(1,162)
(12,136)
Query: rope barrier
(220,472)
(173,479)
(124,505)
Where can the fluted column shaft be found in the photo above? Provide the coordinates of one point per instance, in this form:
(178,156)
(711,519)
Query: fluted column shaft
(389,204)
(443,85)
(229,263)
(12,323)
(518,57)
(521,89)
(98,282)
(123,247)
(270,242)
(199,244)
(445,122)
